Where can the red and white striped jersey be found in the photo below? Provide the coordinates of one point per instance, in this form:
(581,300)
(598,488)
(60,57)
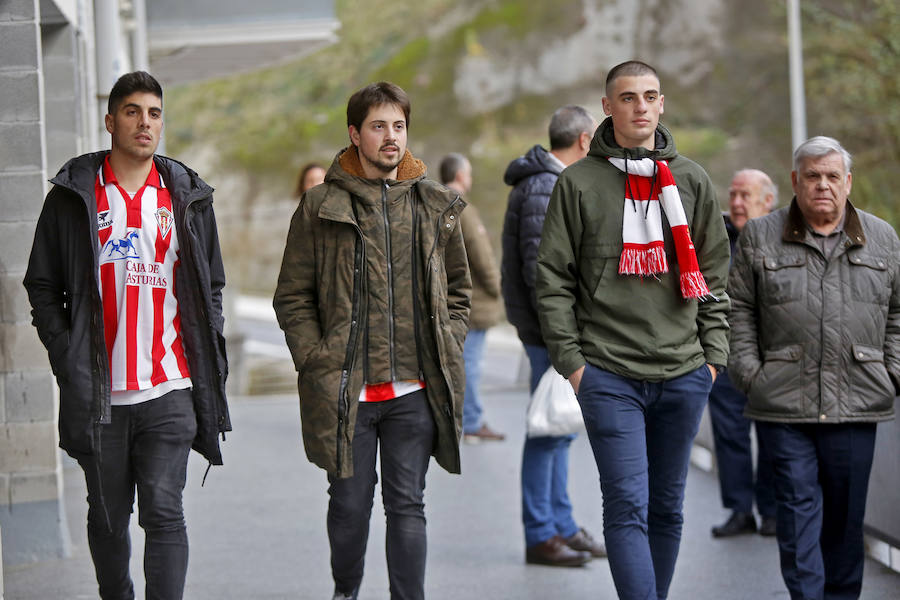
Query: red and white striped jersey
(138,261)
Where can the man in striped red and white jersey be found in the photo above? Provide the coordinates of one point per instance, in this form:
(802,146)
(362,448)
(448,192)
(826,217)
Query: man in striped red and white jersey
(128,303)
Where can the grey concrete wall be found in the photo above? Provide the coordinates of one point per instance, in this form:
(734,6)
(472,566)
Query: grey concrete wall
(883,506)
(31,514)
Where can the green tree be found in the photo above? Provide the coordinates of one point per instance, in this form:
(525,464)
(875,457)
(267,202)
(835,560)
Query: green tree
(852,57)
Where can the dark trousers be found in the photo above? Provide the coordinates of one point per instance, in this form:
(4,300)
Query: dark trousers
(641,433)
(821,483)
(405,429)
(734,455)
(146,447)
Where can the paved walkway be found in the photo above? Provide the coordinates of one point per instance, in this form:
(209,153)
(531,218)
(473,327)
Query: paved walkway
(257,528)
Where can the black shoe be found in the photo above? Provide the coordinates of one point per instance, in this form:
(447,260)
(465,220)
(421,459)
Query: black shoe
(736,524)
(767,526)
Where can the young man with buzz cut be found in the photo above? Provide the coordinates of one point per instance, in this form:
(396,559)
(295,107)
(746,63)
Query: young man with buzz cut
(631,279)
(373,297)
(125,281)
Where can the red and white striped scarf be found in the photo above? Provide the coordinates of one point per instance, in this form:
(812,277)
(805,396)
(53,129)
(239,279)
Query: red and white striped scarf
(649,184)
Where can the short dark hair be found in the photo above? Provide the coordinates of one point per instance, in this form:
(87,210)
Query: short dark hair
(375,94)
(129,83)
(629,68)
(567,124)
(451,164)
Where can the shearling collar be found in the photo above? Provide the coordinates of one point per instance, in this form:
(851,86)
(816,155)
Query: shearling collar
(410,167)
(795,225)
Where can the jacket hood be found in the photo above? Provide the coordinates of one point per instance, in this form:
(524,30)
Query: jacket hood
(537,160)
(78,174)
(604,144)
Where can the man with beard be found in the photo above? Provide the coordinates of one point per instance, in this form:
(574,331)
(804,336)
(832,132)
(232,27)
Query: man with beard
(373,297)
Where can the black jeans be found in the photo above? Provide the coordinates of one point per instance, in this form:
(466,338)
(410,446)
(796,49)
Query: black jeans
(146,446)
(405,429)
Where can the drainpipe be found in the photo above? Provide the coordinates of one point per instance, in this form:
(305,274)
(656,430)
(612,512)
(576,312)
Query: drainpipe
(112,62)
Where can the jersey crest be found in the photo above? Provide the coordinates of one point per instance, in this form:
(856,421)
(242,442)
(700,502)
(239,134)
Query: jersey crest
(164,220)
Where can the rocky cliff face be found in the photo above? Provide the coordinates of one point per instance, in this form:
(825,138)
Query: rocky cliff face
(679,38)
(484,77)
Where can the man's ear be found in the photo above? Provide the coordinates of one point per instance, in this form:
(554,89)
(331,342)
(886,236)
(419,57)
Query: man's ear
(354,135)
(108,120)
(606,110)
(584,140)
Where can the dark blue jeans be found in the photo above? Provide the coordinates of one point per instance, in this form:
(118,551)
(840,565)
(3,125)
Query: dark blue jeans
(734,455)
(405,429)
(146,446)
(641,433)
(546,510)
(821,484)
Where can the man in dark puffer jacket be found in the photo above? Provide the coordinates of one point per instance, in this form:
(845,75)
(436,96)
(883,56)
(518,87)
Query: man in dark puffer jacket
(551,535)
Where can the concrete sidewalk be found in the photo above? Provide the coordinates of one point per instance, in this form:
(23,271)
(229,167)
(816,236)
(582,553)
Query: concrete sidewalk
(257,528)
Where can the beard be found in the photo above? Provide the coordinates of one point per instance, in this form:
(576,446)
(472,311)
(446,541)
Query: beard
(382,164)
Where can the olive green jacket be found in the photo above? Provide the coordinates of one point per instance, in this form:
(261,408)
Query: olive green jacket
(320,304)
(487,306)
(638,328)
(816,339)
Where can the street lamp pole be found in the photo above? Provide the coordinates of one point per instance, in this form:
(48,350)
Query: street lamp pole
(795,57)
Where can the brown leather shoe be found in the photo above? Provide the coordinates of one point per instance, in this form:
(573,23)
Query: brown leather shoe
(484,434)
(584,541)
(555,553)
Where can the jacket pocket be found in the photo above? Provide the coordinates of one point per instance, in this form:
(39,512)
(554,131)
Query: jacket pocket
(871,388)
(778,385)
(598,260)
(869,278)
(57,350)
(784,278)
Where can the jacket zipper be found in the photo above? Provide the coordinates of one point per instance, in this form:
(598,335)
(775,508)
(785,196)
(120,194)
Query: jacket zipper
(415,285)
(448,409)
(105,415)
(350,354)
(212,342)
(390,276)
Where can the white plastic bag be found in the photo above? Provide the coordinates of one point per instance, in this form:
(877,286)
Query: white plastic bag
(554,409)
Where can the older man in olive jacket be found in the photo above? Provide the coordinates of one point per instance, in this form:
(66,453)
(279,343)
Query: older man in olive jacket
(815,344)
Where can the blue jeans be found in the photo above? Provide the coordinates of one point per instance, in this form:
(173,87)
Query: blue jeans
(146,446)
(821,483)
(546,510)
(473,350)
(641,433)
(734,455)
(405,429)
